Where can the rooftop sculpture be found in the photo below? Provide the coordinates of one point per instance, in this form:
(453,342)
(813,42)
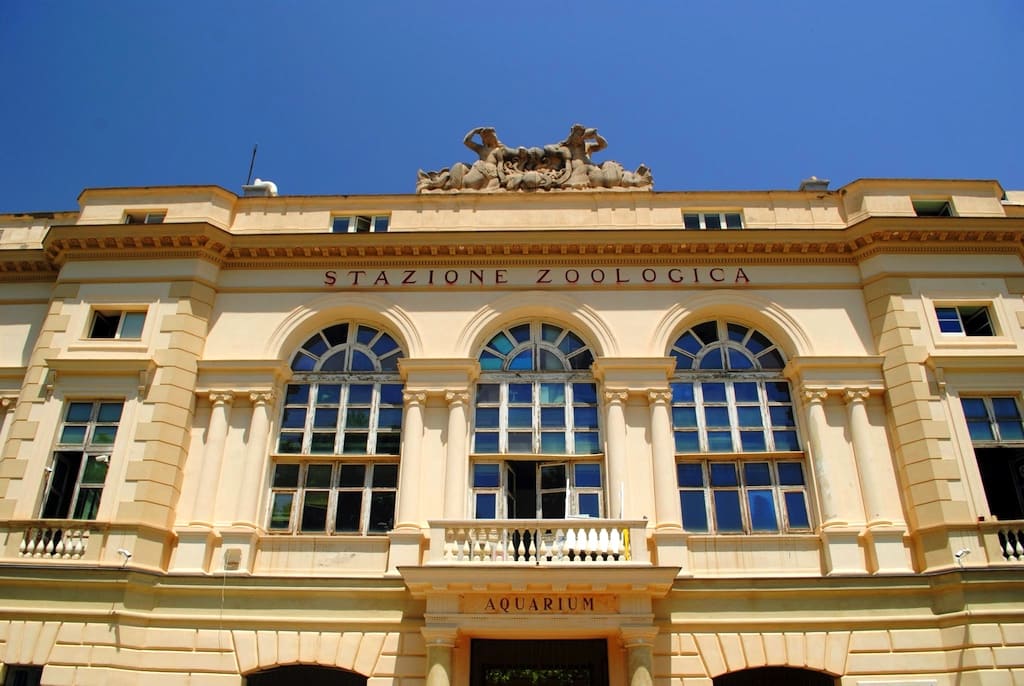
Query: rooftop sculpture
(565,165)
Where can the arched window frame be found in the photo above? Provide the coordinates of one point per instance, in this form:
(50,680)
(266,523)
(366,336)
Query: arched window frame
(336,462)
(740,467)
(537,404)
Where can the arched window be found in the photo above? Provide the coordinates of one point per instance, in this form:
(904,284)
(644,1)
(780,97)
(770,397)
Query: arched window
(337,450)
(536,406)
(729,398)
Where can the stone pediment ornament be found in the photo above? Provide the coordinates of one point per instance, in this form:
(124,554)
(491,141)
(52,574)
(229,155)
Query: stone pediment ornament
(565,165)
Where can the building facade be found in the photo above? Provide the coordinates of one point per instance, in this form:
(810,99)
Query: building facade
(470,438)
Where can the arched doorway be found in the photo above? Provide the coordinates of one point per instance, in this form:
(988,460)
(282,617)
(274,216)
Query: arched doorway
(307,675)
(775,676)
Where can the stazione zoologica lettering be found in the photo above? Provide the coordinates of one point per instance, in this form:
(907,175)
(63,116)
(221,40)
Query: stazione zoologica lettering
(538,277)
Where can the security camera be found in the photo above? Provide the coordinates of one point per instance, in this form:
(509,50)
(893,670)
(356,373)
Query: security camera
(960,555)
(126,554)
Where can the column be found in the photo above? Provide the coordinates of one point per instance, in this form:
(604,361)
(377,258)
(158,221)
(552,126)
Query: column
(7,406)
(666,495)
(440,644)
(408,508)
(860,428)
(213,456)
(456,466)
(639,642)
(255,458)
(815,399)
(616,457)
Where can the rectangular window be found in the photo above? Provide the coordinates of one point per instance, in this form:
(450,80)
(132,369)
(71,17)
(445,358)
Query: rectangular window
(22,675)
(341,419)
(933,208)
(997,432)
(145,217)
(964,320)
(524,489)
(733,417)
(117,324)
(79,466)
(537,417)
(362,223)
(712,220)
(743,496)
(333,497)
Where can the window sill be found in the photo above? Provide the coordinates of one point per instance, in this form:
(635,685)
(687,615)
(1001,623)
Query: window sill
(112,345)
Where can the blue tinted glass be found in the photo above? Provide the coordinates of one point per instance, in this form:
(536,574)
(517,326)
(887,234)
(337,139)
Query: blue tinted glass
(74,435)
(745,391)
(487,418)
(489,362)
(1010,431)
(727,511)
(778,391)
(796,511)
(334,363)
(520,332)
(384,345)
(550,332)
(719,442)
(520,442)
(361,362)
(749,416)
(791,473)
(786,440)
(581,360)
(695,513)
(296,394)
(328,394)
(104,434)
(389,418)
(687,442)
(360,394)
(781,415)
(689,474)
(723,474)
(553,442)
(736,332)
(586,443)
(589,504)
(550,361)
(109,412)
(570,343)
(391,393)
(486,475)
(762,510)
(486,442)
(1005,408)
(758,342)
(325,418)
(79,412)
(552,393)
(771,360)
(357,418)
(522,362)
(303,362)
(485,506)
(738,360)
(753,441)
(552,417)
(584,417)
(294,418)
(316,345)
(520,417)
(584,393)
(487,392)
(520,393)
(290,443)
(682,392)
(365,334)
(974,408)
(588,475)
(683,361)
(757,474)
(684,417)
(980,431)
(502,344)
(949,320)
(713,360)
(716,416)
(689,343)
(713,392)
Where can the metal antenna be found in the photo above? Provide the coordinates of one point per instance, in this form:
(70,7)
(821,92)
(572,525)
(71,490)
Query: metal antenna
(252,163)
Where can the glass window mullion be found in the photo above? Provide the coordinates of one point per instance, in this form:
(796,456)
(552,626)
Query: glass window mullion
(766,417)
(371,439)
(734,419)
(702,427)
(535,413)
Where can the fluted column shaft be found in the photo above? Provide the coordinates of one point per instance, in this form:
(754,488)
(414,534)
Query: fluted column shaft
(616,457)
(666,495)
(814,400)
(860,429)
(255,458)
(456,458)
(408,509)
(213,457)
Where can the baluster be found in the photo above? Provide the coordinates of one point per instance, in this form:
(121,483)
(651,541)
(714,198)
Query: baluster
(61,547)
(466,548)
(77,545)
(592,547)
(571,544)
(23,546)
(1014,536)
(602,542)
(543,550)
(531,550)
(51,543)
(615,543)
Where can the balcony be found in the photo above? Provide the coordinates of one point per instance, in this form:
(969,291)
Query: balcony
(534,542)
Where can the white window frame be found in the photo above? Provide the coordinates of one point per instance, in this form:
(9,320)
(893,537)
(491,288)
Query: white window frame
(344,409)
(145,217)
(720,215)
(374,223)
(123,316)
(959,309)
(301,490)
(88,453)
(570,492)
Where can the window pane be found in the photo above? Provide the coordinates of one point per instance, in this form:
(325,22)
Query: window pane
(520,417)
(778,391)
(385,475)
(684,417)
(391,394)
(713,360)
(297,394)
(290,443)
(111,412)
(733,220)
(337,334)
(949,320)
(522,362)
(486,506)
(1011,431)
(727,512)
(691,221)
(294,418)
(360,394)
(713,392)
(350,508)
(584,393)
(487,417)
(753,441)
(738,360)
(325,418)
(357,418)
(487,392)
(314,512)
(520,393)
(318,476)
(720,442)
(584,417)
(791,474)
(552,476)
(1003,408)
(95,471)
(131,325)
(328,394)
(981,431)
(551,393)
(520,332)
(322,443)
(712,221)
(771,360)
(689,474)
(762,510)
(352,475)
(553,442)
(486,475)
(786,440)
(520,442)
(550,361)
(723,474)
(552,505)
(749,416)
(587,443)
(355,444)
(757,474)
(486,442)
(382,512)
(73,435)
(281,510)
(389,418)
(781,415)
(796,510)
(79,412)
(501,343)
(286,476)
(588,475)
(490,362)
(682,393)
(695,514)
(589,504)
(716,416)
(388,443)
(687,442)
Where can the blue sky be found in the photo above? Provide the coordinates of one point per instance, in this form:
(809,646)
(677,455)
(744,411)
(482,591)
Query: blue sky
(345,97)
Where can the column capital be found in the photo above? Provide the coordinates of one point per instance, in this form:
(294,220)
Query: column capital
(616,397)
(638,636)
(856,395)
(8,403)
(456,398)
(414,397)
(659,397)
(814,395)
(441,636)
(262,397)
(222,397)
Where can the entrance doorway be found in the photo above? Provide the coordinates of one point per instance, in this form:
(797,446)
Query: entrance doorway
(775,676)
(307,675)
(539,663)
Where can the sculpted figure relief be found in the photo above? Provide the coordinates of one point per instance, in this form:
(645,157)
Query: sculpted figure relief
(564,165)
